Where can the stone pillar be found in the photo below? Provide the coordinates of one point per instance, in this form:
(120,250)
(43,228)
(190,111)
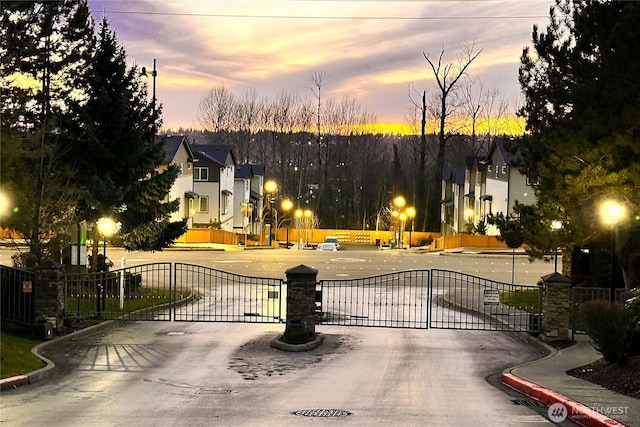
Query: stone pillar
(556,307)
(301,304)
(48,294)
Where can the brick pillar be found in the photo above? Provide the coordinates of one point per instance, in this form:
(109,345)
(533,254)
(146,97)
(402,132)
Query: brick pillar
(301,303)
(556,307)
(48,293)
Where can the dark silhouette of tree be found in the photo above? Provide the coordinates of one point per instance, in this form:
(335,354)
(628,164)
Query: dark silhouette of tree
(582,112)
(447,76)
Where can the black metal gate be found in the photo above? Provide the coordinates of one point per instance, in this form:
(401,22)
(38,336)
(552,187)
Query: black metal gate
(219,296)
(463,301)
(395,300)
(422,299)
(185,292)
(180,292)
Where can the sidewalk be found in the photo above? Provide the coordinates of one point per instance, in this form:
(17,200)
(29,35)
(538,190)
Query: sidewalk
(587,404)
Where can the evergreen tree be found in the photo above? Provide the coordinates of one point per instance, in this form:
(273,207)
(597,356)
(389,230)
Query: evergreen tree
(44,45)
(78,133)
(120,154)
(582,110)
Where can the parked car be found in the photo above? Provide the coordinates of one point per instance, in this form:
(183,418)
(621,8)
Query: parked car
(334,240)
(327,247)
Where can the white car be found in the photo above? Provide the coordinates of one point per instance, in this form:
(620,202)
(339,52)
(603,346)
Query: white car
(334,240)
(327,247)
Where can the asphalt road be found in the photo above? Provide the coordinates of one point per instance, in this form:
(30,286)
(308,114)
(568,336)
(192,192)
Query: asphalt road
(183,373)
(196,374)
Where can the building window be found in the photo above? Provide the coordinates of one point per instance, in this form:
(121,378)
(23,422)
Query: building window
(224,205)
(504,169)
(489,168)
(201,174)
(201,204)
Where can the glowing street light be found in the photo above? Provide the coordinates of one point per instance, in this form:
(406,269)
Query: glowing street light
(270,187)
(107,228)
(556,226)
(612,213)
(287,205)
(411,213)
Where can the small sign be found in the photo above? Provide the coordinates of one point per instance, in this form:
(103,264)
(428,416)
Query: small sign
(27,287)
(491,297)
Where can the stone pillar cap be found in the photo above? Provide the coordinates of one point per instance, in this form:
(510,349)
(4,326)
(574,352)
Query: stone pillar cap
(301,269)
(556,278)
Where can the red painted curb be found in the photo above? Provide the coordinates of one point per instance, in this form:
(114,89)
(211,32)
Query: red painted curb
(577,412)
(6,383)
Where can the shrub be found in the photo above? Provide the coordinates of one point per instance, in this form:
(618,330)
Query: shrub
(633,305)
(611,328)
(425,241)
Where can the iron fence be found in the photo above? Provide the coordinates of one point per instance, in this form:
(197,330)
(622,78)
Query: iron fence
(582,294)
(17,302)
(140,292)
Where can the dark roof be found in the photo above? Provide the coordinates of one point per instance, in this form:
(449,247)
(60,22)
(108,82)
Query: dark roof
(247,170)
(243,171)
(215,152)
(171,144)
(472,160)
(258,169)
(500,145)
(453,174)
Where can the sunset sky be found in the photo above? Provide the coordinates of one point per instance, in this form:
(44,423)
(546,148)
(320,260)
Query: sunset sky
(370,50)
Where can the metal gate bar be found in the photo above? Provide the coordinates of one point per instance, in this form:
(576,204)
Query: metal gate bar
(463,301)
(395,300)
(219,296)
(17,302)
(141,292)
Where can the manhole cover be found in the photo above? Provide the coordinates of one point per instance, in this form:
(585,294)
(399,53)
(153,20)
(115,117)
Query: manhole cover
(525,402)
(211,391)
(322,413)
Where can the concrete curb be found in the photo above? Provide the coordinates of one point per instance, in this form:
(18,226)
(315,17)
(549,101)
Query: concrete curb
(576,411)
(45,372)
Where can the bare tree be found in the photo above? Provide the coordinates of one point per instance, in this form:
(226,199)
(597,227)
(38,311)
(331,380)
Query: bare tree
(247,111)
(447,76)
(216,110)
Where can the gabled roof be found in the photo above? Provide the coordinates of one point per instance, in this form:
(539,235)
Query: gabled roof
(453,174)
(247,171)
(244,171)
(171,144)
(218,153)
(499,144)
(258,170)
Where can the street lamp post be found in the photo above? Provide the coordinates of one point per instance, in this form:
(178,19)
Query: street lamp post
(308,215)
(298,214)
(555,227)
(154,74)
(411,213)
(107,227)
(286,205)
(612,213)
(270,187)
(246,209)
